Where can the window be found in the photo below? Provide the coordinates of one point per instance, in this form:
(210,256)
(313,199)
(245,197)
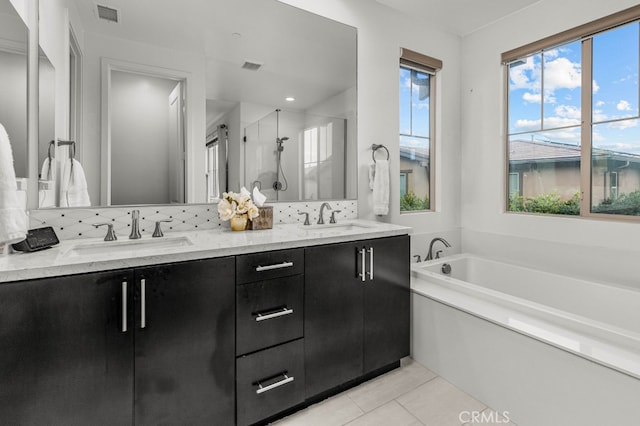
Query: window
(211,167)
(573,131)
(318,166)
(417,87)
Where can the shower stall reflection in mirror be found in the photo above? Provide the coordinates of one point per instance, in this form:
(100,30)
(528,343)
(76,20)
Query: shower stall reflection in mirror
(294,155)
(143,135)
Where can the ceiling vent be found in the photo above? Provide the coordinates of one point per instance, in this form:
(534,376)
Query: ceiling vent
(251,66)
(108,13)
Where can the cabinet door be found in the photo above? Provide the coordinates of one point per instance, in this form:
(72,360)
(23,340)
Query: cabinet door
(387,303)
(333,316)
(65,359)
(184,343)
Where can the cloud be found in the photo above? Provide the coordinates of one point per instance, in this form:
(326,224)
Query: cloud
(598,115)
(526,125)
(568,111)
(533,98)
(623,106)
(621,125)
(599,103)
(561,73)
(525,75)
(555,122)
(595,87)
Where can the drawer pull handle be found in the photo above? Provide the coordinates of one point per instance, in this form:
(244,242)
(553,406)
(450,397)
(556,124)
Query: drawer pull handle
(262,389)
(276,314)
(276,266)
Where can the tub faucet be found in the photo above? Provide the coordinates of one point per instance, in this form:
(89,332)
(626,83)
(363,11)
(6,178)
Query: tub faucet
(430,254)
(135,225)
(321,217)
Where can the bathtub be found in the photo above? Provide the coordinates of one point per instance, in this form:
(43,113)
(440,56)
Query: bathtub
(549,349)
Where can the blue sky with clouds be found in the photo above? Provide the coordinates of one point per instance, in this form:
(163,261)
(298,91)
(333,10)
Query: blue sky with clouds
(546,103)
(414,109)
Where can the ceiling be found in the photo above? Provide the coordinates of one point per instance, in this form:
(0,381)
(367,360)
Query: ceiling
(460,17)
(298,49)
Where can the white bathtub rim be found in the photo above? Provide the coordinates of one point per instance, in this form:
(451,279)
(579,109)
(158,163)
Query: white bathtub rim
(532,307)
(616,356)
(525,266)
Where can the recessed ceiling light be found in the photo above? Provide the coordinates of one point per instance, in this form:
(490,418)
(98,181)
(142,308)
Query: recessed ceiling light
(289,99)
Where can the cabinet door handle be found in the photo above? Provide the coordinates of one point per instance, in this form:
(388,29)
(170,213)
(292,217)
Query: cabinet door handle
(284,381)
(363,266)
(143,303)
(280,312)
(276,266)
(124,306)
(371,263)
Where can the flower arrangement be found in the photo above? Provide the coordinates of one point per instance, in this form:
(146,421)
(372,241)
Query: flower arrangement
(235,204)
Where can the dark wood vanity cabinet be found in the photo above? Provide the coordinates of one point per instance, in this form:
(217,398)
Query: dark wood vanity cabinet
(357,310)
(232,340)
(269,334)
(183,320)
(145,346)
(64,359)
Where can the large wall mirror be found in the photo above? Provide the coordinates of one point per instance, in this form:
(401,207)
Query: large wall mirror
(184,100)
(13,88)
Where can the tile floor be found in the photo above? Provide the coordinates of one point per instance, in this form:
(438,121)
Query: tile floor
(410,395)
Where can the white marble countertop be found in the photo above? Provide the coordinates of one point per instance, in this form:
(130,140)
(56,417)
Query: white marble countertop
(93,254)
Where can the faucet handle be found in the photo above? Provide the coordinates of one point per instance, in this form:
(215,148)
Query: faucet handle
(111,235)
(438,253)
(333,216)
(419,258)
(306,218)
(157,232)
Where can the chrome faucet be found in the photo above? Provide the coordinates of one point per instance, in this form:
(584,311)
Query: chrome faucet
(111,235)
(135,225)
(321,217)
(430,254)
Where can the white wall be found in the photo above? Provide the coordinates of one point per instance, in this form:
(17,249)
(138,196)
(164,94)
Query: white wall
(381,34)
(140,139)
(98,47)
(483,152)
(13,114)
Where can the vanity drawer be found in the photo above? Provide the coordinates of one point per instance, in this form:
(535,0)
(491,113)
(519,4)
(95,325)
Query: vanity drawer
(269,312)
(269,381)
(268,265)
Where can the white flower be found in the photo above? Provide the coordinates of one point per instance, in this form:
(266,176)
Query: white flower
(226,210)
(233,204)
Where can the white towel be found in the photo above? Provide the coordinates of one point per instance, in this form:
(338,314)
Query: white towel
(13,218)
(47,172)
(381,188)
(372,175)
(73,185)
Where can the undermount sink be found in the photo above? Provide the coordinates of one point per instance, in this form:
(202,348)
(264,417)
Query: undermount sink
(335,227)
(106,247)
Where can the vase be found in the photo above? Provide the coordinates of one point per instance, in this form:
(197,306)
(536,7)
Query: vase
(238,222)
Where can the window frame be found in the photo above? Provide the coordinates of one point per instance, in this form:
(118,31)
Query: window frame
(584,34)
(410,59)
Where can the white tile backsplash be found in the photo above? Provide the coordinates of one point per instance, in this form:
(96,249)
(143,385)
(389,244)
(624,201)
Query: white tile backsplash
(78,223)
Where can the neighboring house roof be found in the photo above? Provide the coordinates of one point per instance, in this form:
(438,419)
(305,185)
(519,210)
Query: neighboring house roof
(525,151)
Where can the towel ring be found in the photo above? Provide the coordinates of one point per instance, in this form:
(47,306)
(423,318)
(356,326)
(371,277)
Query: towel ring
(376,147)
